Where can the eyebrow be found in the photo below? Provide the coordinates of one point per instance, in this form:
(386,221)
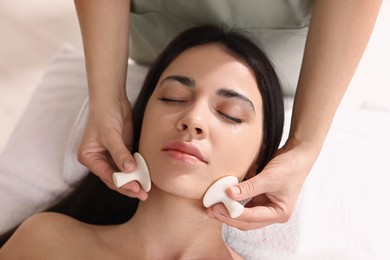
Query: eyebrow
(233,94)
(223,92)
(186,81)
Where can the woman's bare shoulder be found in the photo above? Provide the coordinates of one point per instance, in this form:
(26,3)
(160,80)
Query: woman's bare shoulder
(47,235)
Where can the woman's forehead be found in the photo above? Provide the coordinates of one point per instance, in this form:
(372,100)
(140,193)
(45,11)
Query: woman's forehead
(208,60)
(211,64)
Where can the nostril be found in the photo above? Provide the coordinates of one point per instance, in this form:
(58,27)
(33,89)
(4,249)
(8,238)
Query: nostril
(184,127)
(190,128)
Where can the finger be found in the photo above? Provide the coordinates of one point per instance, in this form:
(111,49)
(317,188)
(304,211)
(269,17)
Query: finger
(132,186)
(251,218)
(140,193)
(121,155)
(99,165)
(102,167)
(249,188)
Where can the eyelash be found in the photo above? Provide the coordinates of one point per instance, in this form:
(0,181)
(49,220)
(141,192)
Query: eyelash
(171,100)
(230,118)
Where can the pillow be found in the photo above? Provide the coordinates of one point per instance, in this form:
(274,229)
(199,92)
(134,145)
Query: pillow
(341,213)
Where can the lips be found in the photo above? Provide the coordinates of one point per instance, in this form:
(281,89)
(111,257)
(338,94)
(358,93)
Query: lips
(183,151)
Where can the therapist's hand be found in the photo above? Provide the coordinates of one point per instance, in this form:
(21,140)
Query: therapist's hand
(273,192)
(104,146)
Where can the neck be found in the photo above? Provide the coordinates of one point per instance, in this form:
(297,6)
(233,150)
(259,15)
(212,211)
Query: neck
(172,227)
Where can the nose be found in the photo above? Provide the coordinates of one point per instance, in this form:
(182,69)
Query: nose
(193,122)
(194,130)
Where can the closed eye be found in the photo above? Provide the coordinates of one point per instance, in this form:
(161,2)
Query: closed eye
(172,100)
(231,118)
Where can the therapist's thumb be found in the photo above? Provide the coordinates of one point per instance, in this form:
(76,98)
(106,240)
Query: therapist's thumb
(246,189)
(121,156)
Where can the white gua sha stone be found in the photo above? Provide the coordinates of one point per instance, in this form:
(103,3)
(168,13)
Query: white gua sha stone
(141,174)
(216,194)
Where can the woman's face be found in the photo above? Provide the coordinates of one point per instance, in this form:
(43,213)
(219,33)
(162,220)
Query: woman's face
(203,121)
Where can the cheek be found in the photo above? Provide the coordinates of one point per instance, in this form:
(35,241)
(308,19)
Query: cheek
(152,123)
(151,133)
(239,152)
(146,134)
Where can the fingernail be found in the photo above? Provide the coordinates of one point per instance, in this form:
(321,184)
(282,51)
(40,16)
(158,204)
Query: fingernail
(235,190)
(127,164)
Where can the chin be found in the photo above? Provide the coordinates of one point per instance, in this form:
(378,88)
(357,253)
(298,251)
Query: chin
(180,185)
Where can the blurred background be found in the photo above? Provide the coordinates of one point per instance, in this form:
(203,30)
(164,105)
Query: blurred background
(33,31)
